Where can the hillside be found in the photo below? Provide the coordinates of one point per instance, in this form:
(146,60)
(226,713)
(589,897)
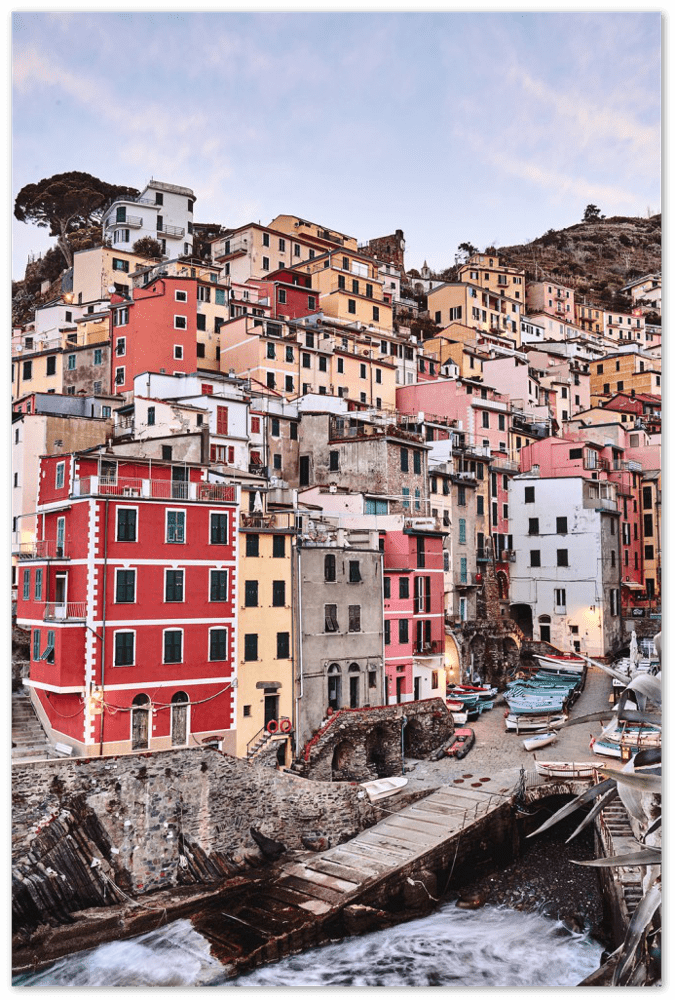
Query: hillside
(596,258)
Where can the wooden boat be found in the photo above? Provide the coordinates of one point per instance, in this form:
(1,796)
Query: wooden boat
(605,748)
(573,664)
(539,740)
(460,718)
(533,723)
(382,788)
(565,769)
(483,691)
(634,736)
(462,743)
(524,706)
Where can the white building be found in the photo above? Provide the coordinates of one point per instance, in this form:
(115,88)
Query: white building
(567,562)
(163,212)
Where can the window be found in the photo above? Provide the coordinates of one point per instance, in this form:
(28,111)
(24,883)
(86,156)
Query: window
(417,462)
(387,631)
(218,585)
(561,525)
(529,494)
(265,239)
(180,295)
(180,322)
(403,630)
(252,545)
(535,557)
(219,534)
(486,418)
(329,568)
(387,587)
(334,461)
(251,594)
(27,371)
(265,263)
(403,588)
(354,571)
(462,531)
(648,525)
(351,306)
(404,459)
(51,363)
(306,360)
(649,553)
(26,585)
(562,557)
(72,362)
(533,526)
(354,617)
(36,644)
(461,496)
(60,475)
(560,600)
(126,524)
(278,593)
(38,583)
(124,649)
(362,371)
(173,646)
(175,526)
(125,586)
(173,585)
(330,618)
(178,352)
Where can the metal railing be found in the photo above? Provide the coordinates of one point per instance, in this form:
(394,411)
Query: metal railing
(70,611)
(44,548)
(433,648)
(131,221)
(175,231)
(160,489)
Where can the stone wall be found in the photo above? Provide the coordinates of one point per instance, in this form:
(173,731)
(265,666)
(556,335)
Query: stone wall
(158,820)
(364,744)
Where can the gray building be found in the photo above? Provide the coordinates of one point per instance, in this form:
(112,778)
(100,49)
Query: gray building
(341,630)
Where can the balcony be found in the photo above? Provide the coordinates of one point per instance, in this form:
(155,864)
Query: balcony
(124,426)
(433,648)
(507,555)
(154,489)
(257,469)
(70,611)
(258,521)
(482,556)
(174,232)
(130,222)
(45,548)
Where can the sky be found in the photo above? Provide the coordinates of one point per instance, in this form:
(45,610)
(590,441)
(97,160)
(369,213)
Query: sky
(488,128)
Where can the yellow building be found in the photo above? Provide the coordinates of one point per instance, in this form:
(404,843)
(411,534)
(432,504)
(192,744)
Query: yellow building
(485,270)
(265,630)
(350,289)
(97,270)
(624,373)
(589,318)
(651,530)
(478,307)
(293,360)
(457,345)
(314,234)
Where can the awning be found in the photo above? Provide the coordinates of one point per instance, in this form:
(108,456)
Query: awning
(632,585)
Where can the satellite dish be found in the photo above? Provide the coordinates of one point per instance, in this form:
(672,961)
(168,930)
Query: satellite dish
(111,288)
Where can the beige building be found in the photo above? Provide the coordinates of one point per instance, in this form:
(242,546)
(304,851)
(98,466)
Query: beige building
(624,372)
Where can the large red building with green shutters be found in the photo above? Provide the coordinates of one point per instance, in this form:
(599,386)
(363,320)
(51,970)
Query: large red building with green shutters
(129,594)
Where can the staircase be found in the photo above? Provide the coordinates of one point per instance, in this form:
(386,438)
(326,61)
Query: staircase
(616,823)
(29,742)
(260,743)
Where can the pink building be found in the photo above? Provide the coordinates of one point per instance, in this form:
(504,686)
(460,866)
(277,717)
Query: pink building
(414,620)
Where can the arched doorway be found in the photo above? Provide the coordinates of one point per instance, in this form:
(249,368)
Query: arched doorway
(140,722)
(412,735)
(343,761)
(544,622)
(354,684)
(522,616)
(375,751)
(334,687)
(179,719)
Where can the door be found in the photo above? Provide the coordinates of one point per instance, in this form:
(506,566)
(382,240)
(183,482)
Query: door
(60,537)
(399,689)
(271,708)
(334,694)
(179,484)
(354,687)
(140,716)
(416,688)
(545,633)
(179,712)
(304,470)
(60,595)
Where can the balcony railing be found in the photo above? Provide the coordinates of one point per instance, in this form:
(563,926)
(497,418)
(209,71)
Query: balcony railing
(131,222)
(45,548)
(258,520)
(433,648)
(176,232)
(156,489)
(69,611)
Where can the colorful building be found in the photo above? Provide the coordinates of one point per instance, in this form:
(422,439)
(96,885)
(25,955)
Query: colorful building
(130,597)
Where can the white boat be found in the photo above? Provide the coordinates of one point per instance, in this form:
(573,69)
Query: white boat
(568,664)
(460,718)
(539,740)
(565,769)
(381,788)
(605,748)
(533,723)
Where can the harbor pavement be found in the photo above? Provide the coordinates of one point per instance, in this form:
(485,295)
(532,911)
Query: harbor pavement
(500,755)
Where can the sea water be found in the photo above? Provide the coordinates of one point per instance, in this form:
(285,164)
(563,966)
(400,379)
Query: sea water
(491,947)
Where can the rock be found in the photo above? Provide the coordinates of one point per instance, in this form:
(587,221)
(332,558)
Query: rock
(315,843)
(270,849)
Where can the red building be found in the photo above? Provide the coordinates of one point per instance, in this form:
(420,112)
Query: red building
(414,621)
(129,596)
(289,293)
(156,330)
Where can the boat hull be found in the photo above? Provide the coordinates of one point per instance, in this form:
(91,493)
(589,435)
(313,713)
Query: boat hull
(539,740)
(565,769)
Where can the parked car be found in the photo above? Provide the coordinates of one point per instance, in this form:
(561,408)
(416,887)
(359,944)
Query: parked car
(461,744)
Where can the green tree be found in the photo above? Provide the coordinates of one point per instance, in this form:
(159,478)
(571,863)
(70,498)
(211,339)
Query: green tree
(468,248)
(147,247)
(592,214)
(65,203)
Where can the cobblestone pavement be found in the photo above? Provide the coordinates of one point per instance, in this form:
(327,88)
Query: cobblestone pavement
(499,755)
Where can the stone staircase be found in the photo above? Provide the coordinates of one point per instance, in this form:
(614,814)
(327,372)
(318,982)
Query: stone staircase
(29,742)
(617,824)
